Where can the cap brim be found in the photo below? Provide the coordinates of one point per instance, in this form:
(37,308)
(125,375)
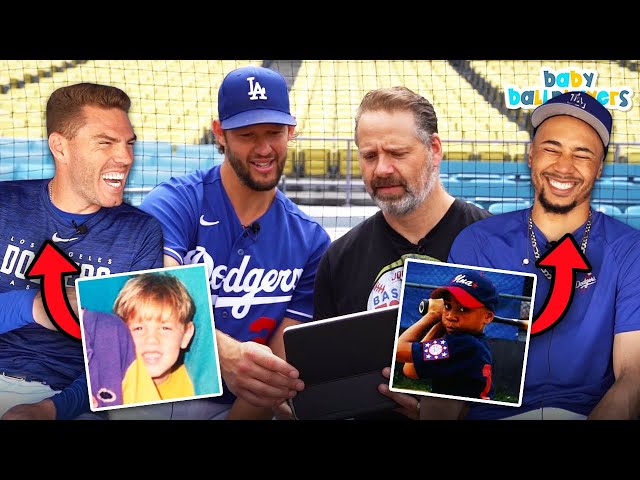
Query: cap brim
(253,117)
(461,295)
(546,111)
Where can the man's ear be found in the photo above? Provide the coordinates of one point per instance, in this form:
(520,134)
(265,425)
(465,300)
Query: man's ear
(58,147)
(436,149)
(600,169)
(216,128)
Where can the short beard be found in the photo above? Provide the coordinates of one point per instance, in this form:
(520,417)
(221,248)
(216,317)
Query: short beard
(413,198)
(402,205)
(243,174)
(559,209)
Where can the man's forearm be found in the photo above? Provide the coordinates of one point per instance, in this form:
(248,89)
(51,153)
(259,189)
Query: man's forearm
(621,402)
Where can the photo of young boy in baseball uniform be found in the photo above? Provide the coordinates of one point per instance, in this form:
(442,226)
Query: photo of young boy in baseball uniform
(463,332)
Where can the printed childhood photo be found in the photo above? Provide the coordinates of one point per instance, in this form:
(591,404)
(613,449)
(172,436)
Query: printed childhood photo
(463,332)
(148,337)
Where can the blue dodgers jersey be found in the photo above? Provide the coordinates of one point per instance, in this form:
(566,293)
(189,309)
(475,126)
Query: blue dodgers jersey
(458,364)
(570,365)
(257,275)
(118,239)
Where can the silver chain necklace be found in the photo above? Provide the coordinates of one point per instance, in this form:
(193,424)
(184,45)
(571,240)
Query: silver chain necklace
(534,242)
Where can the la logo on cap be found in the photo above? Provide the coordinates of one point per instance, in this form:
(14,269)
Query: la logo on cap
(576,99)
(243,98)
(256,92)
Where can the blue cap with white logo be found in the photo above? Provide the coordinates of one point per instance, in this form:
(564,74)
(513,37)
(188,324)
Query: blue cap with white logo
(580,105)
(251,95)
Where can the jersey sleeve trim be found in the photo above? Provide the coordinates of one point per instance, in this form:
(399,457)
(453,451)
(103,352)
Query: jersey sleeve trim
(173,254)
(301,314)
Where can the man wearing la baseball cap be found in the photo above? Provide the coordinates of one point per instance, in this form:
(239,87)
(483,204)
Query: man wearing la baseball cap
(251,95)
(584,364)
(579,105)
(447,345)
(261,250)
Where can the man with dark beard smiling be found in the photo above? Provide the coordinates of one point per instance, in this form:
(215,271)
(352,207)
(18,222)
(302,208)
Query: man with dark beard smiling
(586,364)
(260,249)
(396,131)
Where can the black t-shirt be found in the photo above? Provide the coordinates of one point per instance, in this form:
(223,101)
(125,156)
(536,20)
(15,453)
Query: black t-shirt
(359,271)
(363,269)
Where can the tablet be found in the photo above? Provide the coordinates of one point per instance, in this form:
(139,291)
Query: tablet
(340,360)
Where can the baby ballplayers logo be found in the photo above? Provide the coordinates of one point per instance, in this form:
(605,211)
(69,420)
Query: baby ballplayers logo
(555,82)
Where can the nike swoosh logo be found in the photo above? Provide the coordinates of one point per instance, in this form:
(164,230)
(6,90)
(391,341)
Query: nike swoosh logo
(206,223)
(56,238)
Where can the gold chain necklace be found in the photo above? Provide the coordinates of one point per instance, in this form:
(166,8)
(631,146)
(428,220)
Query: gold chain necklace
(51,191)
(534,242)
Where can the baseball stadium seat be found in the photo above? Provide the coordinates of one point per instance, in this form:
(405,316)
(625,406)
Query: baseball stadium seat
(609,209)
(343,159)
(502,207)
(631,216)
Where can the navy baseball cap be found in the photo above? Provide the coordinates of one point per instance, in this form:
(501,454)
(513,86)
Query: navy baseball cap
(251,95)
(579,105)
(472,289)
